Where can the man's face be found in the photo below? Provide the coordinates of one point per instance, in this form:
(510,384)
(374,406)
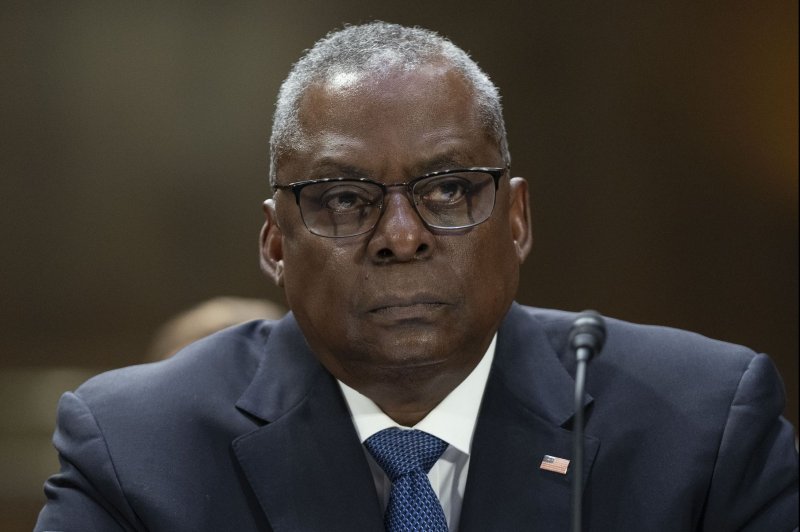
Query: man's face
(402,302)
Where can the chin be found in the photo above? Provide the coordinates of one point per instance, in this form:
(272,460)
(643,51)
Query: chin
(411,373)
(403,347)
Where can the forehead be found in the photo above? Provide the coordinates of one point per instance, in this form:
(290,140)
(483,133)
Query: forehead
(395,118)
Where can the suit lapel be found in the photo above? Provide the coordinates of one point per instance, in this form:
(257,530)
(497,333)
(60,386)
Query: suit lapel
(306,466)
(308,470)
(525,414)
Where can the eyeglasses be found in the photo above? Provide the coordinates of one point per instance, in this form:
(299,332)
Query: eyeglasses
(340,207)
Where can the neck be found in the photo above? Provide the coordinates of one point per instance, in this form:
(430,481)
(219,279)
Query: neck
(408,395)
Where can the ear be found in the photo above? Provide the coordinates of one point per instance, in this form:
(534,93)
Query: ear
(271,244)
(520,217)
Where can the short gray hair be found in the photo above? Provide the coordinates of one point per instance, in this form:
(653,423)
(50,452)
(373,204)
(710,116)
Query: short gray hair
(377,47)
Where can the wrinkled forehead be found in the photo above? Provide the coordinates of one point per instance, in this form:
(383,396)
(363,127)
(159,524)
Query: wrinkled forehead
(385,100)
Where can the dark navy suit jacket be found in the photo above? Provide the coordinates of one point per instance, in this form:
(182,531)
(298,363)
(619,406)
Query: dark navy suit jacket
(245,431)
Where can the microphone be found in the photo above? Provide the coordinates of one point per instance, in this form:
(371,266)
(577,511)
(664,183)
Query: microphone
(586,336)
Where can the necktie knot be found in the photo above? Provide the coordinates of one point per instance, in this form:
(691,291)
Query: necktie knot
(399,452)
(406,456)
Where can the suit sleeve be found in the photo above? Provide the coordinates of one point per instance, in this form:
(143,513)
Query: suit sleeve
(86,493)
(755,480)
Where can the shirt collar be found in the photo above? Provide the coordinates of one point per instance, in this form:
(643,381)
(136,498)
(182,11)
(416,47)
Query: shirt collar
(453,420)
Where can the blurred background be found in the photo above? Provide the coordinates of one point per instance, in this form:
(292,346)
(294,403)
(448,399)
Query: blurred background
(659,138)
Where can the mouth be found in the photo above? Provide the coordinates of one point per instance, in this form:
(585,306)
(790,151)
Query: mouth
(404,309)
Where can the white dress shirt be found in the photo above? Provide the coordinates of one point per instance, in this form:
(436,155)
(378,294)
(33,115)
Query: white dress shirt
(453,421)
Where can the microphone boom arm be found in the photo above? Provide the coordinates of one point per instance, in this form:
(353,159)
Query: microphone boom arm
(587,335)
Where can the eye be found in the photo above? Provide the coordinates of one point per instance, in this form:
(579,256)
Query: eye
(344,198)
(445,190)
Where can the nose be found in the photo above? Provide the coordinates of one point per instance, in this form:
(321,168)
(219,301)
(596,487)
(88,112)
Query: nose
(400,236)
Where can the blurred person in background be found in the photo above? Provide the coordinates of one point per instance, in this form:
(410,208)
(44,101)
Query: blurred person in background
(206,318)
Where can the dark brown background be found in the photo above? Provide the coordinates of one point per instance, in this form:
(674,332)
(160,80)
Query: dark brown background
(659,138)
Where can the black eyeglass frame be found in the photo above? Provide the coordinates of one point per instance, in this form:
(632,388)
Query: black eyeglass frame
(297,187)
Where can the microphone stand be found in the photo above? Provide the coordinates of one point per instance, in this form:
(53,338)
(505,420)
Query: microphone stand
(583,355)
(586,337)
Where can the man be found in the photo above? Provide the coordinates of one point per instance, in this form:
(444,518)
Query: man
(396,231)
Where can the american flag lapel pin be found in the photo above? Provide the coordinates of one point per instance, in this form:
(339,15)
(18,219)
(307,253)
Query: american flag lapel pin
(554,464)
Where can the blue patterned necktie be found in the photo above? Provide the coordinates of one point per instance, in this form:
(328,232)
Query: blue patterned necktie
(406,456)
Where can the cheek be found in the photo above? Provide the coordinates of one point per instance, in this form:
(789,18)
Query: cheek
(492,267)
(318,275)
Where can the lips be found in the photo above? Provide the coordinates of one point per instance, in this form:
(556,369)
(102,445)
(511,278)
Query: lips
(405,308)
(416,314)
(409,310)
(421,301)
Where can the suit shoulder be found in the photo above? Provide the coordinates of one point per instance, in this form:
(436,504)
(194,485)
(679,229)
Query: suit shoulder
(669,365)
(635,343)
(222,363)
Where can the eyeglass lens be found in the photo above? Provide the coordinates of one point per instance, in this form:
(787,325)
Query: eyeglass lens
(351,207)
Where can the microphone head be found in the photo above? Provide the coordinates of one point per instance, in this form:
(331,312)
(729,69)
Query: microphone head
(588,331)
